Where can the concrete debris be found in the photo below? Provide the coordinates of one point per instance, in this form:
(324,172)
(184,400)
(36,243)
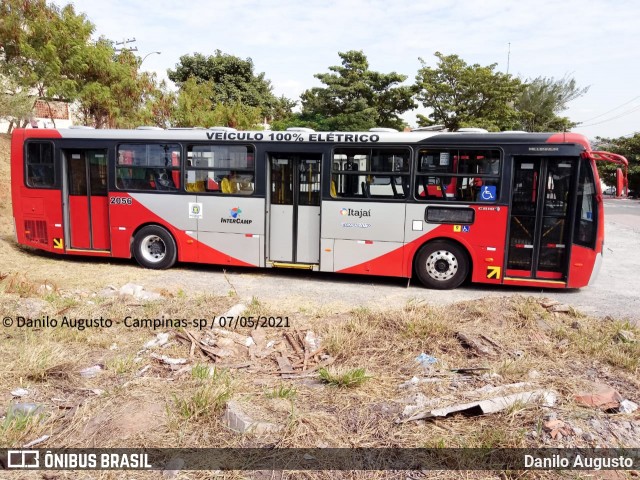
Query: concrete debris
(161,339)
(489,377)
(490,389)
(113,347)
(31,307)
(238,421)
(548,303)
(91,372)
(415,381)
(627,406)
(601,396)
(108,291)
(492,405)
(138,292)
(169,360)
(311,341)
(560,308)
(19,392)
(625,336)
(236,311)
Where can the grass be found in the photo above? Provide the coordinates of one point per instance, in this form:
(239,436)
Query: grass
(354,402)
(282,391)
(205,400)
(343,378)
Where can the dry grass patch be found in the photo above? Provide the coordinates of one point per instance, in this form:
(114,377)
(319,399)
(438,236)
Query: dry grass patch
(140,401)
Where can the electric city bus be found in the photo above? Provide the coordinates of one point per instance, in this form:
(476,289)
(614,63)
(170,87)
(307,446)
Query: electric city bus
(497,208)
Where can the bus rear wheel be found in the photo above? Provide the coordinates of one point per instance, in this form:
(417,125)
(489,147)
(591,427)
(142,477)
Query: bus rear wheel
(154,247)
(442,265)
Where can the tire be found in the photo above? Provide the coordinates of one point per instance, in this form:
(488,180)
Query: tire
(442,265)
(154,247)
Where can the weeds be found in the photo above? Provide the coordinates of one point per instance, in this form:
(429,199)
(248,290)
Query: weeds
(207,398)
(344,379)
(282,391)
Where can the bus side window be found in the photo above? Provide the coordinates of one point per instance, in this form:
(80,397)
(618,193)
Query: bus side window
(39,163)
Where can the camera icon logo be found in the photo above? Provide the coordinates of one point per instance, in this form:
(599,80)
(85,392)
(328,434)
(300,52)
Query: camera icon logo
(23,459)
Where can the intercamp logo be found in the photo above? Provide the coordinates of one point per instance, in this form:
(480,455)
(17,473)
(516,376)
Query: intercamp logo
(235,213)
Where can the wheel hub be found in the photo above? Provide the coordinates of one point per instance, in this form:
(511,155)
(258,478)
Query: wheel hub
(442,265)
(153,249)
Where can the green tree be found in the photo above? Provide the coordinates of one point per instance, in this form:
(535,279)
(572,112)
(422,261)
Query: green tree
(355,98)
(629,147)
(45,48)
(113,93)
(543,99)
(462,95)
(232,82)
(48,51)
(16,105)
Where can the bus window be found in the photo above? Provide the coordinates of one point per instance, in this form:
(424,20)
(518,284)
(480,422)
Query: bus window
(458,175)
(225,169)
(40,171)
(370,173)
(147,167)
(586,219)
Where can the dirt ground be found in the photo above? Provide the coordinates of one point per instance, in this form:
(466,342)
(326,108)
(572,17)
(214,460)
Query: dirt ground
(155,367)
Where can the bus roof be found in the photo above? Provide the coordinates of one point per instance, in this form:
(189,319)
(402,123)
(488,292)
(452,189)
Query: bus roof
(370,137)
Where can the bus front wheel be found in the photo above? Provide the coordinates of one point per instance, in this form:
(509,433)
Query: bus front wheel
(154,247)
(442,265)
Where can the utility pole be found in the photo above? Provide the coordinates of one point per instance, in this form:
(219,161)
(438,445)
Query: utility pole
(124,47)
(508,57)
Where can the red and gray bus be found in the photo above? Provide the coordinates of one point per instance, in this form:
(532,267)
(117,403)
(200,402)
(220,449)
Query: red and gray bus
(498,208)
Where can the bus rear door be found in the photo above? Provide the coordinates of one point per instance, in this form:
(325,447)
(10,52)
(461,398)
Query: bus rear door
(540,226)
(86,208)
(294,208)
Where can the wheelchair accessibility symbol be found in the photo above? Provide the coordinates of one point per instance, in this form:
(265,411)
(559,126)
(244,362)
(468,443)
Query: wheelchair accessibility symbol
(487,194)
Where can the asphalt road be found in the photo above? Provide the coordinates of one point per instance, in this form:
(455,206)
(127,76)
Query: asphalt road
(616,291)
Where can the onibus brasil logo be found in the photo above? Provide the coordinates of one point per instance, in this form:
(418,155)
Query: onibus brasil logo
(235,214)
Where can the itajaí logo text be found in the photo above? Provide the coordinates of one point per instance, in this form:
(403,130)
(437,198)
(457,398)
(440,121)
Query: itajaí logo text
(351,212)
(235,214)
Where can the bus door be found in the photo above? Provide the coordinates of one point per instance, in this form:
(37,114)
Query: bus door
(540,219)
(86,211)
(294,207)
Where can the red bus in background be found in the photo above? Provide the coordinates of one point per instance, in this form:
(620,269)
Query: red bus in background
(498,208)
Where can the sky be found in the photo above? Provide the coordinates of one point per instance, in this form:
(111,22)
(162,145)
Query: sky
(596,42)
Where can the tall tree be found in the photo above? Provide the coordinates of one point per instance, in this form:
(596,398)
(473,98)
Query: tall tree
(113,92)
(629,147)
(462,95)
(16,105)
(44,47)
(356,98)
(543,99)
(232,82)
(48,52)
